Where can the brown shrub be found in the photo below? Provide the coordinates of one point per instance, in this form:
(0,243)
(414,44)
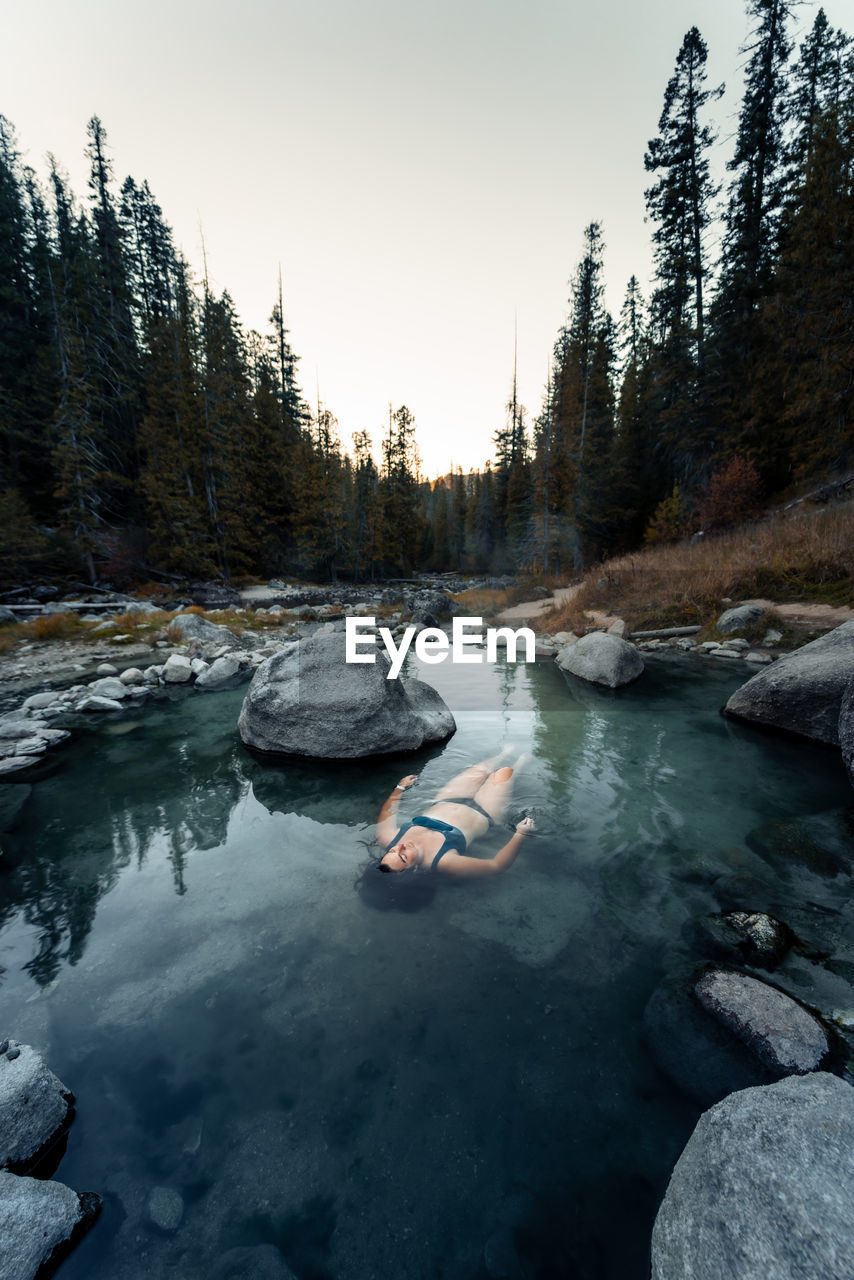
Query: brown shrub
(732,496)
(55,626)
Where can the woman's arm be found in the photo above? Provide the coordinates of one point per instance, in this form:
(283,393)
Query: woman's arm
(387,821)
(459,864)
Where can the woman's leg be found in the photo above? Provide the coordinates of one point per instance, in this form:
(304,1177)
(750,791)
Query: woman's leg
(469,782)
(494,794)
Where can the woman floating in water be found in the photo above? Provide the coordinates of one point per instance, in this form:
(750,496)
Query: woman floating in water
(464,809)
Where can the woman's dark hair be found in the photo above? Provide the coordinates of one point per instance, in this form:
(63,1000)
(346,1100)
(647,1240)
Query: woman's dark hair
(400,892)
(381,866)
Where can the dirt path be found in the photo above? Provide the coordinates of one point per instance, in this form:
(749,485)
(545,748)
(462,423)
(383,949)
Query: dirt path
(533,608)
(818,616)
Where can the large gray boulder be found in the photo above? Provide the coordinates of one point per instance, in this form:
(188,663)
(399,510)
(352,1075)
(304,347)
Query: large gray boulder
(35,1107)
(192,626)
(602,659)
(781,1032)
(40,1223)
(801,693)
(743,615)
(307,700)
(846,729)
(764,1188)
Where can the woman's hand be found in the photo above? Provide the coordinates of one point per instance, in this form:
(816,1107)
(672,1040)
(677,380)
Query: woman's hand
(526,826)
(408,781)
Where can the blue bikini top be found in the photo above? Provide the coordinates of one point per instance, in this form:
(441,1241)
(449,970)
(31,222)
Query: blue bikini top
(454,838)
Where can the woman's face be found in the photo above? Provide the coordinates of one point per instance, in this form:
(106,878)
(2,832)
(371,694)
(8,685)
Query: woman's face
(400,857)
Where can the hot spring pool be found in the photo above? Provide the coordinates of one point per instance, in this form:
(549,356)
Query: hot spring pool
(451,1083)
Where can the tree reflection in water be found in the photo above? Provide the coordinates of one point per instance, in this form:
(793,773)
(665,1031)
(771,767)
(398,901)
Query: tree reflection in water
(169,778)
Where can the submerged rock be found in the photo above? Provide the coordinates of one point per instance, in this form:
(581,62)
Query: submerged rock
(781,1032)
(307,700)
(40,1223)
(700,1055)
(223,673)
(822,842)
(740,936)
(252,1262)
(764,1188)
(802,692)
(764,939)
(166,1208)
(846,729)
(35,1107)
(602,659)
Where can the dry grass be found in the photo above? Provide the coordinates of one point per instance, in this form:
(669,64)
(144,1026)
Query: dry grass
(48,626)
(805,556)
(486,602)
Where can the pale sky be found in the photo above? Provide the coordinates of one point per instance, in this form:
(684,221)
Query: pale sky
(423,173)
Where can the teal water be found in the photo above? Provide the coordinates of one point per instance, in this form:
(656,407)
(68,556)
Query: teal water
(450,1081)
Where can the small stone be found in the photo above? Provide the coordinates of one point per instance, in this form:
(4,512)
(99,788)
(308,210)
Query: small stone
(166,1208)
(13,1053)
(37,701)
(758,658)
(109,687)
(30,746)
(98,704)
(771,638)
(107,669)
(132,675)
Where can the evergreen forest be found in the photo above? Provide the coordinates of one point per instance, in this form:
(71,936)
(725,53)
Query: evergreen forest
(145,432)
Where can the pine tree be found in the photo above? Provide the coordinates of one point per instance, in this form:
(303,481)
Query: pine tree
(27,381)
(680,201)
(399,476)
(582,402)
(636,485)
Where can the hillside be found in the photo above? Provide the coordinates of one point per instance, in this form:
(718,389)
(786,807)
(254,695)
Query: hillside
(802,553)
